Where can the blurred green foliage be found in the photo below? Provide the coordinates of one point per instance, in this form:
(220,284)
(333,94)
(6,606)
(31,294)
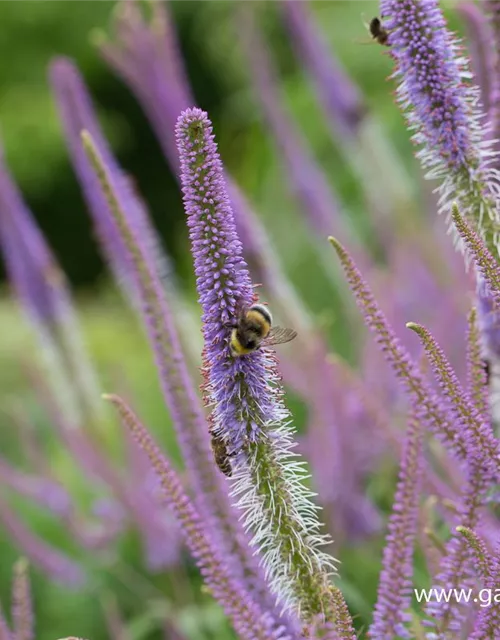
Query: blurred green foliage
(33,32)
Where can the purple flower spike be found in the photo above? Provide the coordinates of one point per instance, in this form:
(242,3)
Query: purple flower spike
(342,629)
(477,381)
(44,295)
(435,94)
(57,565)
(22,609)
(488,286)
(245,392)
(77,113)
(41,489)
(341,99)
(306,179)
(484,261)
(394,591)
(33,271)
(481,53)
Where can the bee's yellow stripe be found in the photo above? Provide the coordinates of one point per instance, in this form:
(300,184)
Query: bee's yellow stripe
(258,317)
(236,347)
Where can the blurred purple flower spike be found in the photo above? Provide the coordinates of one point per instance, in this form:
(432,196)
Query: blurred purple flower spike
(77,113)
(482,55)
(341,98)
(44,295)
(394,591)
(306,179)
(33,271)
(55,564)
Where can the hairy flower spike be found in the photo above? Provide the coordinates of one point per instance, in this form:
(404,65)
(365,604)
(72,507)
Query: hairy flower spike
(245,392)
(442,107)
(394,591)
(482,446)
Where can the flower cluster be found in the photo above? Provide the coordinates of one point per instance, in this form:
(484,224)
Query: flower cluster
(243,504)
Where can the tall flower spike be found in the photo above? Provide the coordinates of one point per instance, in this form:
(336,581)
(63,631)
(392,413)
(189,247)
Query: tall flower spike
(484,561)
(22,608)
(488,620)
(477,380)
(245,392)
(77,113)
(485,262)
(394,591)
(58,566)
(43,292)
(248,620)
(441,106)
(423,398)
(341,98)
(180,396)
(343,626)
(342,629)
(482,446)
(488,285)
(479,45)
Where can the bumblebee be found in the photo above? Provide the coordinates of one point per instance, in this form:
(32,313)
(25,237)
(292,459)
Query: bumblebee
(378,32)
(221,454)
(254,330)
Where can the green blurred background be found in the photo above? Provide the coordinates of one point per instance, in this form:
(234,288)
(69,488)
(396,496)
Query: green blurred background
(32,32)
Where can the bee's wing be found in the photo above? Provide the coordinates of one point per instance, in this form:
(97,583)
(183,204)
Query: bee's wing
(279,335)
